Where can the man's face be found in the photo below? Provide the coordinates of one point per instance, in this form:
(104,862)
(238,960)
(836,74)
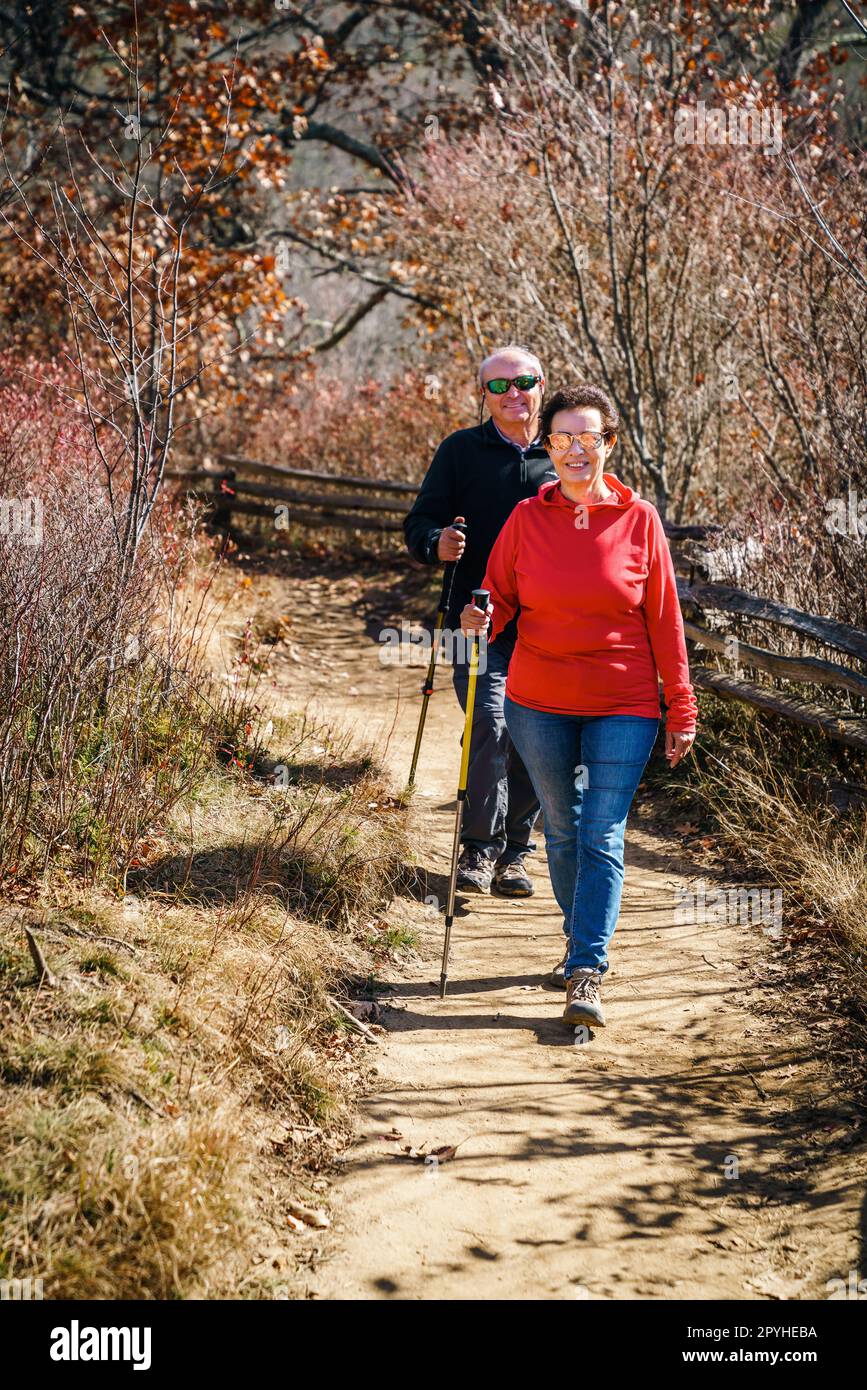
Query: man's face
(515,406)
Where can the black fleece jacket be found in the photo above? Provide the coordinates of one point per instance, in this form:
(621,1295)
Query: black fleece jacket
(477,475)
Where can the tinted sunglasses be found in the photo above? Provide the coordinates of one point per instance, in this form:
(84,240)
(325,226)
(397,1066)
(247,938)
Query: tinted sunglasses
(589,439)
(500,384)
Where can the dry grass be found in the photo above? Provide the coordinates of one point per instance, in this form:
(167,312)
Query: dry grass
(819,858)
(820,864)
(169,1099)
(770,789)
(204,881)
(767,789)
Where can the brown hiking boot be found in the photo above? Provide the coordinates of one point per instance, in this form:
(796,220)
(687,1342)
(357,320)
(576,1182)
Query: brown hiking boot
(583,1002)
(475,871)
(512,881)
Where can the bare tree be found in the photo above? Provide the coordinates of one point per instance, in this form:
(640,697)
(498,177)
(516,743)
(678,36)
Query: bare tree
(136,296)
(138,299)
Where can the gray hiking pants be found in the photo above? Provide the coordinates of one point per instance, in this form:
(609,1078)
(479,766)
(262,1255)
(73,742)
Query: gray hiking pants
(501,806)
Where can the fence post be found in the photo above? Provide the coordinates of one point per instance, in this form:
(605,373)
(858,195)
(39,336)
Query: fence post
(221,519)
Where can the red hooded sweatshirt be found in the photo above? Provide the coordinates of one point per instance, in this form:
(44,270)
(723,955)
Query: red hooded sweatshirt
(600,620)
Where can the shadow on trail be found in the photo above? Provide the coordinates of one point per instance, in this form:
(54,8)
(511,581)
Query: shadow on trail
(335,775)
(238,875)
(676,1141)
(423,885)
(531,982)
(423,990)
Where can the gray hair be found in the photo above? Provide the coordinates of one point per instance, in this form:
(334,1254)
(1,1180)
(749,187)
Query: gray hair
(510,349)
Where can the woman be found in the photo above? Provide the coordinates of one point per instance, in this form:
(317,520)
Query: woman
(587,563)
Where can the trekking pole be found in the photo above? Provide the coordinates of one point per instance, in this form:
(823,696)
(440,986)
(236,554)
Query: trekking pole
(481,598)
(427,688)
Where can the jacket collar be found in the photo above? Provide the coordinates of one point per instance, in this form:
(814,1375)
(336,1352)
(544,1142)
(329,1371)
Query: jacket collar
(552,495)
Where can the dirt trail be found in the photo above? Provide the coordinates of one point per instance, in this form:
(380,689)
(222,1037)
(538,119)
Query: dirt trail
(584,1171)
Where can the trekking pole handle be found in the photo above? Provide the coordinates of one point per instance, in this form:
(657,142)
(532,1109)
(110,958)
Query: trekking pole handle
(449,571)
(457,525)
(481,599)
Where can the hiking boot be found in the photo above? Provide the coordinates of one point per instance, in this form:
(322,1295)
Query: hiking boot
(558,974)
(475,871)
(511,880)
(583,1004)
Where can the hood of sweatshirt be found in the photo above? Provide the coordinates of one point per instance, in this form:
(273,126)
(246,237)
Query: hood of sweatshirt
(552,495)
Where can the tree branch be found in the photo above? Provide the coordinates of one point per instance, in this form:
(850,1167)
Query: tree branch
(372,279)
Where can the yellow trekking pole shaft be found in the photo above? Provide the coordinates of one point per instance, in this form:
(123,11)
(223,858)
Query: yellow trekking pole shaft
(427,688)
(481,598)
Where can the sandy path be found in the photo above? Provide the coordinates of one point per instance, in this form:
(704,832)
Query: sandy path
(584,1171)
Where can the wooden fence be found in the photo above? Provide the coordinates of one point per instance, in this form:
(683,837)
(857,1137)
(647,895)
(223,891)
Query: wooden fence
(698,598)
(242,486)
(304,497)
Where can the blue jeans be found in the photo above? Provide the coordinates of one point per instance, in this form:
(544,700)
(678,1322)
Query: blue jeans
(586,770)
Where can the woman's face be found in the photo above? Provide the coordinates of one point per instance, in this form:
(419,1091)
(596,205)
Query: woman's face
(578,461)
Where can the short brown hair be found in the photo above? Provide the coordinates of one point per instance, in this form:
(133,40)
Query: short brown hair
(576,398)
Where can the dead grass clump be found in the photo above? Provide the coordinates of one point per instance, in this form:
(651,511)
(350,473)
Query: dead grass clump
(189,1081)
(317,832)
(769,820)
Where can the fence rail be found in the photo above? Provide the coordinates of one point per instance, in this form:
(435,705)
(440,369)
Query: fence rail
(698,598)
(275,470)
(236,488)
(245,486)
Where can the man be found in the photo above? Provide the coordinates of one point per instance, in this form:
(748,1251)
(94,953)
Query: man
(479,475)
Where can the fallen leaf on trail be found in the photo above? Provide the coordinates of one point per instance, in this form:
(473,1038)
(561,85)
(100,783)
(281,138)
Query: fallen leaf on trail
(421,1154)
(310,1216)
(275,1257)
(445,1153)
(363,1009)
(294,1134)
(727,1242)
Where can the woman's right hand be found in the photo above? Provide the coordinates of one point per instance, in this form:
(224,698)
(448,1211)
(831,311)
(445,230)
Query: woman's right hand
(474,620)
